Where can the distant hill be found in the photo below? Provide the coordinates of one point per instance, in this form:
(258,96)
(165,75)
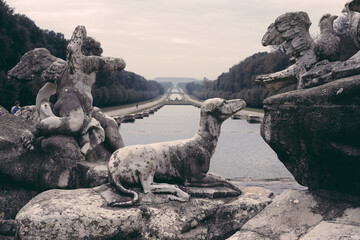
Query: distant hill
(175,79)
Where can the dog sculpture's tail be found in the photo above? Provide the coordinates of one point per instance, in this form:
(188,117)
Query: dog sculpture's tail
(122,189)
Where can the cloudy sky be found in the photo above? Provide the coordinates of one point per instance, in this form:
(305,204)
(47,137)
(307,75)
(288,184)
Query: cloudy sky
(173,38)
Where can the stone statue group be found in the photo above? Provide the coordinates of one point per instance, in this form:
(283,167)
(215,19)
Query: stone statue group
(184,162)
(316,61)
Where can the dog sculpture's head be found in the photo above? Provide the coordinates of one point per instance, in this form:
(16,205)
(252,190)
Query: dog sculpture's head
(222,109)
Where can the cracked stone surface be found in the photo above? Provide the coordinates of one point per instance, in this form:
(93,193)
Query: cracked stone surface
(84,214)
(305,215)
(315,134)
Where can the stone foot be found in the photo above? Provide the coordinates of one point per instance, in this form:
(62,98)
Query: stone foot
(27,140)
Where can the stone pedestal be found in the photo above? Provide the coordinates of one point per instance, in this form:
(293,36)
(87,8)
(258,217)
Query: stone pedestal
(315,133)
(304,215)
(84,214)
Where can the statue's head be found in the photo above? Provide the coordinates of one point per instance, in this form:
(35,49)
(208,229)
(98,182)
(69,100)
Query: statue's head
(76,41)
(327,21)
(222,109)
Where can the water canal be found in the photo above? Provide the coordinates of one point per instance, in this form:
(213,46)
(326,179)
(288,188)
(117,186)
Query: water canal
(241,152)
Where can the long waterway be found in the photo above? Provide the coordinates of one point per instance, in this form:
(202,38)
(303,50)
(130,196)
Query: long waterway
(240,153)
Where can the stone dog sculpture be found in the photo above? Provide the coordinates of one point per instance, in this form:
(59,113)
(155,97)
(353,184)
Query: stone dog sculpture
(73,113)
(184,161)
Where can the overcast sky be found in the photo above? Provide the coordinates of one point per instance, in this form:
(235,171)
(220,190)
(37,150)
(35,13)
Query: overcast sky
(173,38)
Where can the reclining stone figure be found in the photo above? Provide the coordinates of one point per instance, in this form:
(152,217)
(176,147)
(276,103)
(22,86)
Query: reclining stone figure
(71,81)
(185,162)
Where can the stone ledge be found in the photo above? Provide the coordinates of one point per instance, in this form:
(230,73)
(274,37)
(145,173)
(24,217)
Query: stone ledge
(305,215)
(84,214)
(315,134)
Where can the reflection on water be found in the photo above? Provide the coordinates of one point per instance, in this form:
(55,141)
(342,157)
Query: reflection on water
(241,152)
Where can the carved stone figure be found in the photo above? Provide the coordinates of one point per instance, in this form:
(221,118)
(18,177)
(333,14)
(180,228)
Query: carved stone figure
(352,8)
(184,161)
(324,72)
(327,46)
(73,113)
(291,30)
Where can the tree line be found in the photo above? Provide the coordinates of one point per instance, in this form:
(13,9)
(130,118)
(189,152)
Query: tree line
(111,89)
(19,34)
(239,82)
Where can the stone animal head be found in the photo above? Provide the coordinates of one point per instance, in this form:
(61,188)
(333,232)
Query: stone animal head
(222,109)
(326,22)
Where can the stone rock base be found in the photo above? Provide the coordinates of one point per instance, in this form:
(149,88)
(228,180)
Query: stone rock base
(91,174)
(315,133)
(7,229)
(305,215)
(84,214)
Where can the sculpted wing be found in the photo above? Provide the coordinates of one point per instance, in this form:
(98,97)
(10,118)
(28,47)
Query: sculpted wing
(292,31)
(38,63)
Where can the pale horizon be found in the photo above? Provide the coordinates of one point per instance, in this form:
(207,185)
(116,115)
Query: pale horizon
(173,38)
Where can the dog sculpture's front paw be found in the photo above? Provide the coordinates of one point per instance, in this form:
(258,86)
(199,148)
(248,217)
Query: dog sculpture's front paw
(27,140)
(179,199)
(181,196)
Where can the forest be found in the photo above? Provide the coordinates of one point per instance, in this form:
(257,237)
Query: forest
(123,87)
(19,34)
(239,82)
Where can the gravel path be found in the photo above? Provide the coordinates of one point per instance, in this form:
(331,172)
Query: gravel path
(125,111)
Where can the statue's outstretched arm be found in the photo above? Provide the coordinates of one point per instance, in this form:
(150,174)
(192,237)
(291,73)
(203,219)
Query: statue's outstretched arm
(278,80)
(106,64)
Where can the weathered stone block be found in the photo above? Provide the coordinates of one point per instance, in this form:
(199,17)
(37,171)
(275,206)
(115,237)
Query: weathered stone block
(304,215)
(7,228)
(50,166)
(315,133)
(84,214)
(91,174)
(29,113)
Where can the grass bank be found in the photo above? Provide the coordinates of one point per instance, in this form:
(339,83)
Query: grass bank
(259,110)
(104,109)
